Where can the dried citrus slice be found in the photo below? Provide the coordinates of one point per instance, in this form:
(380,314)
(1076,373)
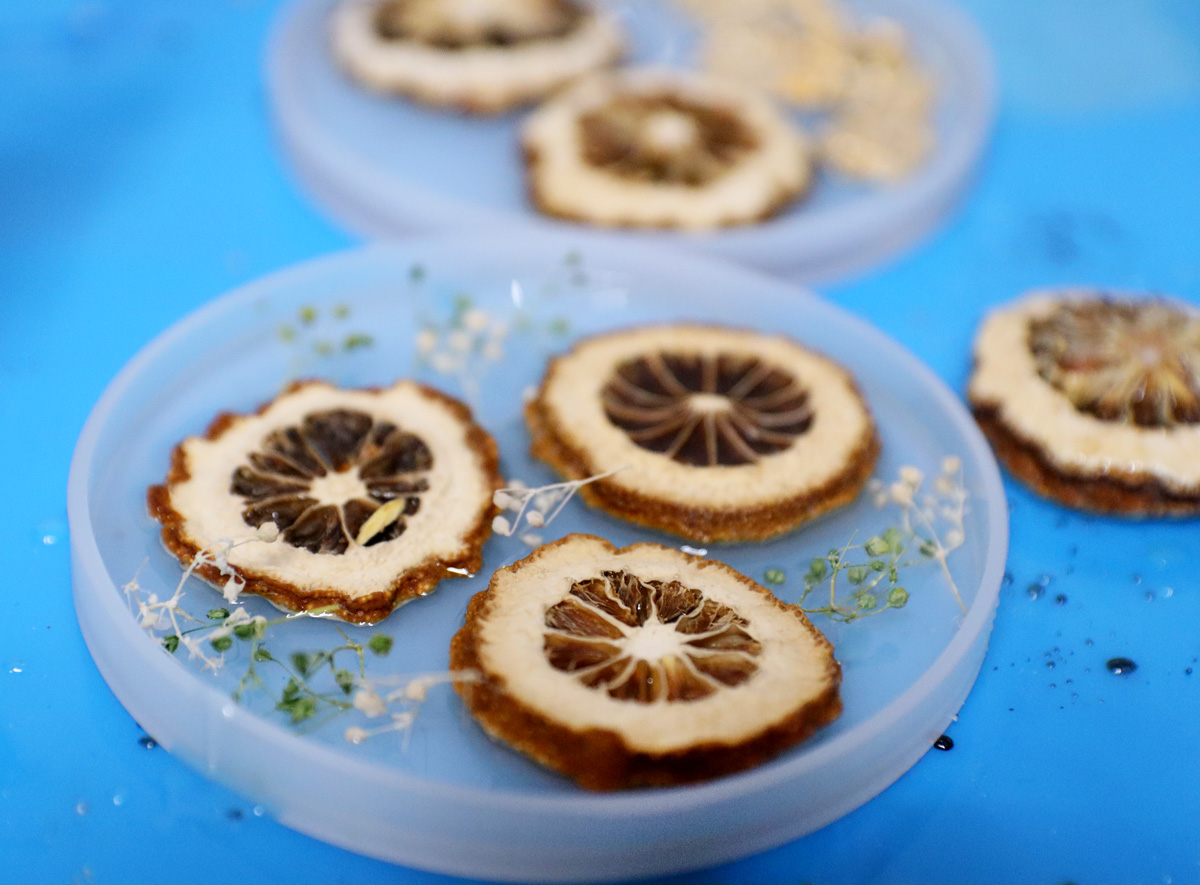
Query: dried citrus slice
(641,666)
(377,494)
(482,56)
(656,148)
(1094,400)
(714,434)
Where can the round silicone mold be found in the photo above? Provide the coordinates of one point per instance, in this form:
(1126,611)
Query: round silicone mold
(442,796)
(383,166)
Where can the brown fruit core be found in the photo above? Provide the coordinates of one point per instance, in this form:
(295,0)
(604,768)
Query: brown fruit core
(647,641)
(707,411)
(319,482)
(664,139)
(1130,362)
(433,23)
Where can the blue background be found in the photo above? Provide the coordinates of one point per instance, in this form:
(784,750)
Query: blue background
(139,179)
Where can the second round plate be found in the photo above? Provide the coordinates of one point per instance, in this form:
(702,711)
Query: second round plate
(384,166)
(441,796)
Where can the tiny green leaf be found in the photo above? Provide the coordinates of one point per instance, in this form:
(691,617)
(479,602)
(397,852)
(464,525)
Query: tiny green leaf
(897,597)
(222,643)
(865,601)
(171,643)
(261,654)
(291,691)
(878,565)
(774,576)
(345,680)
(357,341)
(218,614)
(307,315)
(300,661)
(301,708)
(818,569)
(341,311)
(856,574)
(244,631)
(928,548)
(380,643)
(416,273)
(558,326)
(287,333)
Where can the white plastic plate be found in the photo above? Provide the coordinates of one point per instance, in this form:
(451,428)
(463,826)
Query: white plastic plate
(443,797)
(383,166)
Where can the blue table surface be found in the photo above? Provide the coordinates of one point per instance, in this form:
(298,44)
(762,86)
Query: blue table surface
(139,179)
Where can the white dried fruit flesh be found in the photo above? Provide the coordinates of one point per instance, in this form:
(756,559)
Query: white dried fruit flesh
(641,665)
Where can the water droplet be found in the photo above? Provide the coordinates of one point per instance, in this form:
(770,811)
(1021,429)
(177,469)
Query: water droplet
(1168,592)
(1120,666)
(1053,685)
(16,669)
(1137,579)
(50,532)
(1049,665)
(1187,672)
(229,711)
(1035,591)
(945,742)
(1008,579)
(118,800)
(1149,596)
(82,808)
(1060,599)
(1088,643)
(695,551)
(234,814)
(1045,580)
(148,742)
(259,811)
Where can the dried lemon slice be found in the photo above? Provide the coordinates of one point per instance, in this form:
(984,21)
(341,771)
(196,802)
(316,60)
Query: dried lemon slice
(714,434)
(657,148)
(641,666)
(1094,400)
(377,495)
(482,56)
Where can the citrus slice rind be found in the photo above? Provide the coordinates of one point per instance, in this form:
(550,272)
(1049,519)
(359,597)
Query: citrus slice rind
(641,666)
(318,462)
(484,56)
(711,433)
(655,148)
(1093,399)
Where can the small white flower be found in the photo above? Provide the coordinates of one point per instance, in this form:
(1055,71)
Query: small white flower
(355,735)
(951,464)
(427,341)
(902,494)
(369,703)
(493,351)
(911,476)
(501,526)
(531,539)
(446,363)
(954,538)
(268,532)
(502,499)
(535,519)
(461,342)
(232,588)
(476,319)
(517,485)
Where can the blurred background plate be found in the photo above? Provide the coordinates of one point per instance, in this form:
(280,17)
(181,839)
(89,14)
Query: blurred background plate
(443,796)
(383,166)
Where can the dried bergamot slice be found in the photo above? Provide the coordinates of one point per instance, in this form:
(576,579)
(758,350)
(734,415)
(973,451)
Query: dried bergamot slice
(481,56)
(377,494)
(641,666)
(711,433)
(1094,399)
(658,148)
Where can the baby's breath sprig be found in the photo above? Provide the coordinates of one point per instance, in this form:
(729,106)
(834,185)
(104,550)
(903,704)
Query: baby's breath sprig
(463,344)
(299,699)
(309,334)
(536,507)
(373,701)
(930,529)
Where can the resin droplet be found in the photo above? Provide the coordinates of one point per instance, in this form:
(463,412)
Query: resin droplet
(945,742)
(1120,666)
